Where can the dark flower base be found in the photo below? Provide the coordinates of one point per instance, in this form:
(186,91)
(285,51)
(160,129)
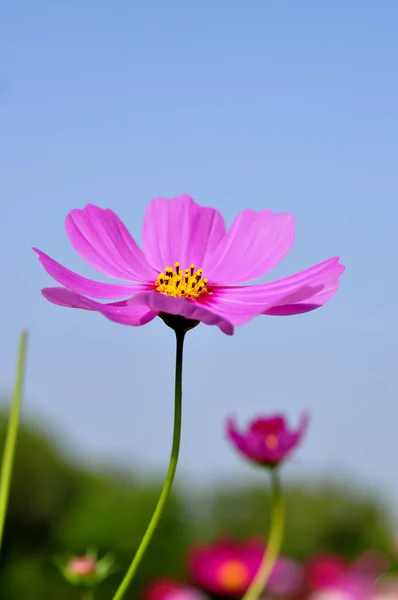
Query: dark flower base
(178,323)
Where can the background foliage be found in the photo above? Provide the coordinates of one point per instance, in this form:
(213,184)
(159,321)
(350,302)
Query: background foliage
(58,506)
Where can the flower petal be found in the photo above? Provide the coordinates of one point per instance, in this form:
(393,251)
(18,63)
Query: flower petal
(100,237)
(179,306)
(241,441)
(137,315)
(82,285)
(237,313)
(254,244)
(133,315)
(304,306)
(64,297)
(273,424)
(179,230)
(289,438)
(314,287)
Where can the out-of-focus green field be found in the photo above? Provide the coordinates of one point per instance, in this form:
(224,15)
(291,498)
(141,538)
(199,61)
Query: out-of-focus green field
(58,505)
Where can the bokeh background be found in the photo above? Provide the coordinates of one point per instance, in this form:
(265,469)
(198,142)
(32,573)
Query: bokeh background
(291,106)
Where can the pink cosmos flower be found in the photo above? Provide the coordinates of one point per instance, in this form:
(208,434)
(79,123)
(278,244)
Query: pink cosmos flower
(267,441)
(324,570)
(81,566)
(189,266)
(186,593)
(386,590)
(287,578)
(161,588)
(86,570)
(371,564)
(226,568)
(348,587)
(168,589)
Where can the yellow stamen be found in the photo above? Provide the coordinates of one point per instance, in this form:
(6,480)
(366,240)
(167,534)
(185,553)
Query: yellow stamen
(271,441)
(186,283)
(232,575)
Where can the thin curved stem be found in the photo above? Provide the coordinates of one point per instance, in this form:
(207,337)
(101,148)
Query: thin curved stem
(180,334)
(12,433)
(271,553)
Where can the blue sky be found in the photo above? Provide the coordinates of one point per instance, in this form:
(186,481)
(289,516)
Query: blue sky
(290,106)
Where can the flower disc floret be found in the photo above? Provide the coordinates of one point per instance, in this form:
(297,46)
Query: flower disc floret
(233,575)
(186,283)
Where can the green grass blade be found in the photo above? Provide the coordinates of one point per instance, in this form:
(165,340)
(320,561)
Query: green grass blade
(12,433)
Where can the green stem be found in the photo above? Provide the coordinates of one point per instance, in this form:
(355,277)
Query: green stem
(271,553)
(88,595)
(180,334)
(12,433)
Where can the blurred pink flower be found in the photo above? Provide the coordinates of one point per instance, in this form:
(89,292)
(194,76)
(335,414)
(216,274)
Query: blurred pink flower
(348,587)
(324,570)
(268,440)
(80,566)
(287,578)
(386,590)
(161,588)
(189,266)
(169,589)
(370,564)
(186,593)
(227,568)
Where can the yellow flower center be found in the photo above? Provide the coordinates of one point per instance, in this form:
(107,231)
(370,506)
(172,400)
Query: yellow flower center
(233,575)
(185,284)
(271,441)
